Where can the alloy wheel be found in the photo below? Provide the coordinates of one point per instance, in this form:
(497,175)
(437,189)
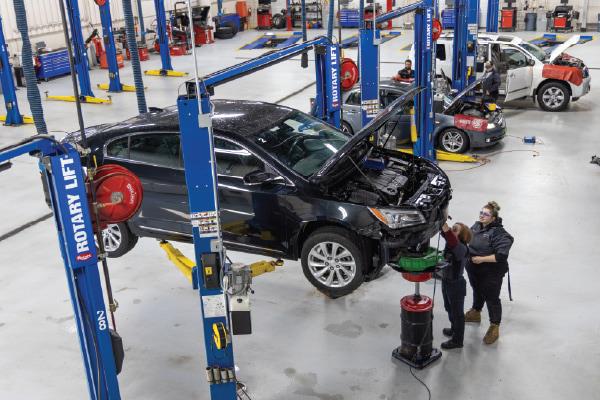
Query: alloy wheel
(452,141)
(553,97)
(112,237)
(332,264)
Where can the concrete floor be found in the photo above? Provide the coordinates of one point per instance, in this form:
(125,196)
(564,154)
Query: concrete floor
(304,345)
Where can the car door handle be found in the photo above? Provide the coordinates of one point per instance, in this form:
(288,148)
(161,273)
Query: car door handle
(512,75)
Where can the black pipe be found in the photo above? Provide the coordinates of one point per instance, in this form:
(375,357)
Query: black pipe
(33,93)
(135,57)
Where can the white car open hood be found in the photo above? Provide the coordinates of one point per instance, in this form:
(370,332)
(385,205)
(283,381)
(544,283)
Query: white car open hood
(561,48)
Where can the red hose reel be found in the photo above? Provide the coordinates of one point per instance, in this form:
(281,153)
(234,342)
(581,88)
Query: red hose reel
(119,194)
(349,74)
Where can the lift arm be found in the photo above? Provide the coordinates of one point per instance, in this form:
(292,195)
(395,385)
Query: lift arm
(327,101)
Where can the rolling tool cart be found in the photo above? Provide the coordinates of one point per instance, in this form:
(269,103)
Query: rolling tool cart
(508,17)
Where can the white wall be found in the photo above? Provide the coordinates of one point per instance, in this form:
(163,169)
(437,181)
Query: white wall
(44,21)
(43,18)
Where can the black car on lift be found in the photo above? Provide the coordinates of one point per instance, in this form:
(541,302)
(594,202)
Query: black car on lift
(290,186)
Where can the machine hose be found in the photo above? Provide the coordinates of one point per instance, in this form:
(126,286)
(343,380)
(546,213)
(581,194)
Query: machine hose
(135,57)
(33,94)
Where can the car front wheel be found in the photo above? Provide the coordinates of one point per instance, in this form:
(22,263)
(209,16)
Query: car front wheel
(346,128)
(118,240)
(333,262)
(553,96)
(453,141)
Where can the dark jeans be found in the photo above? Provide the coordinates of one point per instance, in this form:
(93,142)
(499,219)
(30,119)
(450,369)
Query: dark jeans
(486,281)
(454,292)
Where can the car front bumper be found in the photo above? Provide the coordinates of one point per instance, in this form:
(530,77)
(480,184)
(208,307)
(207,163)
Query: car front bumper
(487,138)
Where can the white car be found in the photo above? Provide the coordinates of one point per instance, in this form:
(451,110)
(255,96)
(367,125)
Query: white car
(553,79)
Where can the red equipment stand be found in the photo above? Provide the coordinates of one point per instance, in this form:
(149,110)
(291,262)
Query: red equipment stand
(416,348)
(508,19)
(264,18)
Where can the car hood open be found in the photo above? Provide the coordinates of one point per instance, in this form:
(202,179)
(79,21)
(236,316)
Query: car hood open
(328,169)
(462,94)
(561,48)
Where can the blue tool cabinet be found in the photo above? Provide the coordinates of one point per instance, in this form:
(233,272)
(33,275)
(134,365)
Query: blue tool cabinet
(349,18)
(53,64)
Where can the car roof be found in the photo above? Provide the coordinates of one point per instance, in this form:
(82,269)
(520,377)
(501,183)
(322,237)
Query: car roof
(240,117)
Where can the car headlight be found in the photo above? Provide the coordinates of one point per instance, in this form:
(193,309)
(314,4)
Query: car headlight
(395,219)
(491,126)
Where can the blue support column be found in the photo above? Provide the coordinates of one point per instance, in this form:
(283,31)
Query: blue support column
(79,51)
(74,226)
(111,51)
(368,58)
(141,22)
(330,20)
(465,43)
(161,33)
(328,97)
(13,115)
(200,173)
(424,146)
(492,16)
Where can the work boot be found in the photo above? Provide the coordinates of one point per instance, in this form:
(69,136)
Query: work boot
(492,334)
(450,344)
(473,315)
(448,332)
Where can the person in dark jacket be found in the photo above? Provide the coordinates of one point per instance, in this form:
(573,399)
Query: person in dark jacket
(487,266)
(407,74)
(490,83)
(454,286)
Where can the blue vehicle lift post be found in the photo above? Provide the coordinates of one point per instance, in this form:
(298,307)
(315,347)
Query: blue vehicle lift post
(368,57)
(492,16)
(201,179)
(63,173)
(141,22)
(114,84)
(163,42)
(464,46)
(80,56)
(13,115)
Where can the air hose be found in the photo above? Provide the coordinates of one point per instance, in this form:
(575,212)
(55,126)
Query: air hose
(135,57)
(33,94)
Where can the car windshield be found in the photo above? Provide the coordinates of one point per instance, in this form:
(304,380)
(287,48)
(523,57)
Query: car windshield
(301,142)
(534,50)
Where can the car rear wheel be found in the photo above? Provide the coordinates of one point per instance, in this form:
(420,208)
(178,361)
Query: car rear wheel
(453,141)
(118,240)
(346,128)
(553,96)
(333,262)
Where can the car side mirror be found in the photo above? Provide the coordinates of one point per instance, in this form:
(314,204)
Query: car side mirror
(531,62)
(258,177)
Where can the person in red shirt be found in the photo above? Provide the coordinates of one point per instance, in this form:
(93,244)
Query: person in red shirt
(454,286)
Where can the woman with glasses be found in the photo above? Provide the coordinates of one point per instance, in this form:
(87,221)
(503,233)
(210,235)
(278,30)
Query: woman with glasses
(488,250)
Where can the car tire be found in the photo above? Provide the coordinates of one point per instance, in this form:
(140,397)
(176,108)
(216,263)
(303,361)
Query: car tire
(554,96)
(226,30)
(320,249)
(118,240)
(453,140)
(278,21)
(347,128)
